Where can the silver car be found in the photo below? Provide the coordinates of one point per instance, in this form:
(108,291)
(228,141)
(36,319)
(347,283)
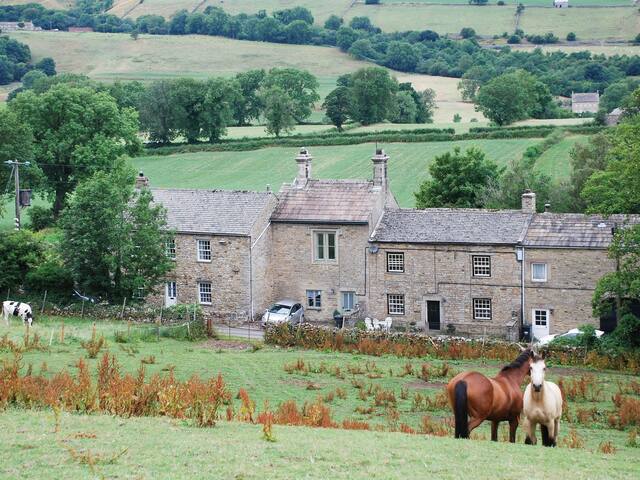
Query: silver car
(284,311)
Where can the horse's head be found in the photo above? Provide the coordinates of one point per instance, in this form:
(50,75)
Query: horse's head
(537,370)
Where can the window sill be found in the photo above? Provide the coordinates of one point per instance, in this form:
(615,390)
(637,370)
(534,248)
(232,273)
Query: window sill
(538,281)
(325,262)
(205,303)
(317,309)
(396,272)
(481,276)
(396,314)
(203,261)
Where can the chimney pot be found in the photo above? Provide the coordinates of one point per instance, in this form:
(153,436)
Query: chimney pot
(547,207)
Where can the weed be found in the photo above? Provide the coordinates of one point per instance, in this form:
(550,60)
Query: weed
(95,344)
(341,393)
(607,448)
(355,425)
(573,440)
(385,398)
(247,407)
(150,360)
(431,427)
(632,438)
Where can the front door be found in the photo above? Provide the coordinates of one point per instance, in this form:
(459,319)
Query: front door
(433,314)
(540,323)
(170,294)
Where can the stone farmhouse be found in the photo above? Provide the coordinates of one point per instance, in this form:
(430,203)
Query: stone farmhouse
(585,102)
(346,245)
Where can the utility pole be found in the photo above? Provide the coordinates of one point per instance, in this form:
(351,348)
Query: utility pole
(16,172)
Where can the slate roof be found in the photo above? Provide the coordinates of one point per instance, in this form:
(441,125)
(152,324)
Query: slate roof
(327,201)
(574,229)
(591,97)
(212,211)
(450,225)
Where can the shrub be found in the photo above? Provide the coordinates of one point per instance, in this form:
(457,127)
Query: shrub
(95,344)
(51,276)
(457,118)
(467,32)
(627,333)
(571,37)
(500,3)
(41,217)
(513,39)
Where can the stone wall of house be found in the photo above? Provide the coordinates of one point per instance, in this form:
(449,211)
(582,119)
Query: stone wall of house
(572,275)
(228,271)
(261,261)
(444,273)
(294,271)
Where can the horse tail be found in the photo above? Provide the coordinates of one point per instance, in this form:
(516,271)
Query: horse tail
(460,410)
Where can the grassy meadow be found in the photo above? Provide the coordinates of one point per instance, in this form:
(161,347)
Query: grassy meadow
(88,446)
(252,170)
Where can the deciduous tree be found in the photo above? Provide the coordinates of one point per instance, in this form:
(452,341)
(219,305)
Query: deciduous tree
(337,106)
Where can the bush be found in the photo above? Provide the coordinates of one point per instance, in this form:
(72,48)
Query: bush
(467,32)
(457,118)
(627,333)
(51,276)
(571,37)
(513,39)
(41,217)
(501,3)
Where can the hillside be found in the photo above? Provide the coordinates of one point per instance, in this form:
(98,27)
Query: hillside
(109,57)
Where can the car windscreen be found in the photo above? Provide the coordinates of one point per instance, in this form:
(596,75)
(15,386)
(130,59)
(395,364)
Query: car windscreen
(281,309)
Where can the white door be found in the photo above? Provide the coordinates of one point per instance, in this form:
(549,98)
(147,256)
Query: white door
(540,323)
(170,294)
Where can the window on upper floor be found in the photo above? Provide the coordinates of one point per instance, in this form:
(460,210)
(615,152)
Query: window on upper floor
(395,304)
(482,309)
(481,265)
(325,247)
(171,248)
(204,250)
(538,272)
(395,262)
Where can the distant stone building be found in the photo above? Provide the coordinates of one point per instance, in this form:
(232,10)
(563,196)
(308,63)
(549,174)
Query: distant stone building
(346,245)
(6,27)
(585,102)
(613,118)
(561,3)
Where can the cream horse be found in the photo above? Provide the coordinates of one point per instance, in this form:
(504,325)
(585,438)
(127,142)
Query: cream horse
(542,405)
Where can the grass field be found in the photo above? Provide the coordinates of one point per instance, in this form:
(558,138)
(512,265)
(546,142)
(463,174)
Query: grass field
(555,161)
(31,448)
(109,57)
(254,169)
(608,50)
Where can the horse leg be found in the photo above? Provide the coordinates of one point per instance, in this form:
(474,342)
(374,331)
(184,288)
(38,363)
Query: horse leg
(545,434)
(494,431)
(513,426)
(556,431)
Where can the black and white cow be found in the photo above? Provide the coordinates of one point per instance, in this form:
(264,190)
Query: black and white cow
(17,309)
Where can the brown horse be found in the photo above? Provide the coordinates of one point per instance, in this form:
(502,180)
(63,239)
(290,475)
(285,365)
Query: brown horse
(475,398)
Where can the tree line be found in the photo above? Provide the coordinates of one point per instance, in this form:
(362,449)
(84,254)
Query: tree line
(410,51)
(15,61)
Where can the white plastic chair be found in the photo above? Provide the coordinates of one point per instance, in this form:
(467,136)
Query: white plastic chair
(368,325)
(387,323)
(376,324)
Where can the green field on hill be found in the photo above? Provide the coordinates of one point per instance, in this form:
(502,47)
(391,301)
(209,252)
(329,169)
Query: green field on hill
(252,170)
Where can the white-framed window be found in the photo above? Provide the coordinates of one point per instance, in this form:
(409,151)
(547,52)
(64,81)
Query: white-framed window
(171,248)
(172,289)
(538,272)
(138,293)
(204,293)
(348,301)
(314,298)
(204,250)
(395,304)
(481,265)
(395,262)
(325,247)
(482,309)
(540,317)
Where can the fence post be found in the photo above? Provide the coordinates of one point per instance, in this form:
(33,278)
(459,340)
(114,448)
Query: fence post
(82,312)
(44,300)
(124,303)
(62,332)
(159,322)
(51,337)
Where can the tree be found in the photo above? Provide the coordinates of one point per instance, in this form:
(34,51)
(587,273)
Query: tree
(114,238)
(337,106)
(300,86)
(290,15)
(298,32)
(187,97)
(362,49)
(426,106)
(217,110)
(457,180)
(158,112)
(571,37)
(478,2)
(345,37)
(76,131)
(512,96)
(373,92)
(467,32)
(278,111)
(20,252)
(31,77)
(127,94)
(361,23)
(615,189)
(586,159)
(17,144)
(402,56)
(623,284)
(47,66)
(406,108)
(249,105)
(333,22)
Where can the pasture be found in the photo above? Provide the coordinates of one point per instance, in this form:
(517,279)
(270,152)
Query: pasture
(86,446)
(252,170)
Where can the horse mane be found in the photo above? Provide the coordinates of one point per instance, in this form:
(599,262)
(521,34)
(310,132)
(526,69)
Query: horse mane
(518,362)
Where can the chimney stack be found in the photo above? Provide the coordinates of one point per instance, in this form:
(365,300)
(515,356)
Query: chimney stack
(141,181)
(547,208)
(528,202)
(304,167)
(380,160)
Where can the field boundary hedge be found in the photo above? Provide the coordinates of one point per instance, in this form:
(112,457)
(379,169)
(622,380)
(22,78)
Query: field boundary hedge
(384,136)
(446,348)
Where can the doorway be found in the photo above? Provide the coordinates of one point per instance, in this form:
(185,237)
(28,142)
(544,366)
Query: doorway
(170,294)
(433,314)
(540,323)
